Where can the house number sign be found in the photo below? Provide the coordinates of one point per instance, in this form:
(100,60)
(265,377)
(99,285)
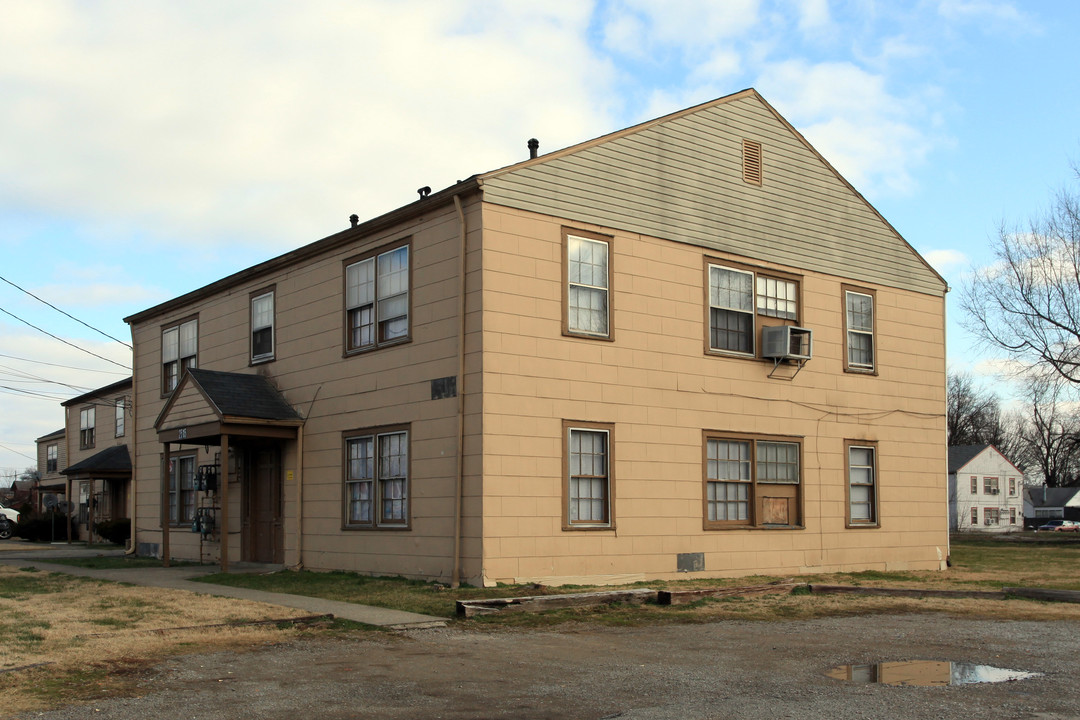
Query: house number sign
(181,434)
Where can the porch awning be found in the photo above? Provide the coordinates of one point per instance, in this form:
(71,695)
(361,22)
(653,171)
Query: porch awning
(111,462)
(208,403)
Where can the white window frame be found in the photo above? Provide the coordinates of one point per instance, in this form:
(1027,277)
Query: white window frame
(851,332)
(262,324)
(87,427)
(378,298)
(182,488)
(861,476)
(119,410)
(377,485)
(588,278)
(179,352)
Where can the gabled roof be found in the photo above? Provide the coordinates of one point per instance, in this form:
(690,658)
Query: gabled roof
(111,460)
(233,396)
(107,390)
(961,455)
(1050,497)
(54,435)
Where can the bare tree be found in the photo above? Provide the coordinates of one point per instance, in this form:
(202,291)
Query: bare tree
(1050,433)
(974,417)
(1028,303)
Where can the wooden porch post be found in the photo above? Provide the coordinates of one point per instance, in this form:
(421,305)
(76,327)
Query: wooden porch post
(223,476)
(165,509)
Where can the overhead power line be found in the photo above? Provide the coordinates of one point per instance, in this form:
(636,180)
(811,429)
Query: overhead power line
(66,367)
(54,337)
(17,452)
(46,302)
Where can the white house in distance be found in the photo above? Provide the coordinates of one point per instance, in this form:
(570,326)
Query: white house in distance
(986,491)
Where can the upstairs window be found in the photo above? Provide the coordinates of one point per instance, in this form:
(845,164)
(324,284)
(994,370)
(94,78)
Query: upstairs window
(377,300)
(262,327)
(179,348)
(974,485)
(859,326)
(991,486)
(739,298)
(51,454)
(87,420)
(120,408)
(1012,487)
(588,285)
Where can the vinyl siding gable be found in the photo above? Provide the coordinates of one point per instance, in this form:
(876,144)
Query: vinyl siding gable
(681,178)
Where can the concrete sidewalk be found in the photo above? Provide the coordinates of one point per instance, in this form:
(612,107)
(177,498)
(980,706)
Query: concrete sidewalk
(22,554)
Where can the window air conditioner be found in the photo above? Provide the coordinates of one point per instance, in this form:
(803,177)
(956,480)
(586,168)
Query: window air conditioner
(785,342)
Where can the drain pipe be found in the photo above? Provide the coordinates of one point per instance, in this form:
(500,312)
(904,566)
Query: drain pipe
(300,484)
(455,574)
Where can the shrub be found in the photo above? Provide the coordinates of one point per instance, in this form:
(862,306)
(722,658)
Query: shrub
(45,528)
(114,531)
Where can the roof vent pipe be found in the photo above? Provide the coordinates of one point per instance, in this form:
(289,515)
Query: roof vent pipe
(424,191)
(354,219)
(534,145)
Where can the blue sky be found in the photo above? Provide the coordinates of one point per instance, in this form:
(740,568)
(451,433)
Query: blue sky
(148,148)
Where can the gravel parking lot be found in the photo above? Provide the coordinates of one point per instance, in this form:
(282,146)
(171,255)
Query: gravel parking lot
(716,670)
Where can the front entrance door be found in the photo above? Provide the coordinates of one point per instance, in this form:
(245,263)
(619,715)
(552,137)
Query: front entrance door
(262,506)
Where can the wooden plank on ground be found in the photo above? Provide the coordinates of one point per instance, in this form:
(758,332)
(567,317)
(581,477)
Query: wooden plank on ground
(1070,596)
(906,592)
(682,597)
(539,603)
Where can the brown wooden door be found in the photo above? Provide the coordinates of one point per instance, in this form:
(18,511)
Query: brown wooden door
(262,507)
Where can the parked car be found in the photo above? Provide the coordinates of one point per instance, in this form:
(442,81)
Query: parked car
(1059,526)
(8,518)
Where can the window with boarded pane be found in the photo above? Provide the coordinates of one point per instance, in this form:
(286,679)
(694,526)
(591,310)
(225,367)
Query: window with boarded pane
(262,327)
(588,484)
(752,481)
(179,350)
(862,484)
(377,299)
(377,479)
(588,279)
(859,324)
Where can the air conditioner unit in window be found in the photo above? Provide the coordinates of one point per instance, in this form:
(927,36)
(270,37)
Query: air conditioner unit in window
(785,342)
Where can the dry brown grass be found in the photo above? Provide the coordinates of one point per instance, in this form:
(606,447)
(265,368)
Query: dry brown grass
(65,639)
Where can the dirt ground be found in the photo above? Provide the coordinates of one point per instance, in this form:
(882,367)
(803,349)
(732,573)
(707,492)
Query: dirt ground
(717,670)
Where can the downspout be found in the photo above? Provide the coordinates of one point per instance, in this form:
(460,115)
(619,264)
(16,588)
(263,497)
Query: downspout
(300,484)
(455,575)
(948,537)
(133,483)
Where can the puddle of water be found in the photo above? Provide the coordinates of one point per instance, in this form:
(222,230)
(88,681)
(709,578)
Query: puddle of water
(927,673)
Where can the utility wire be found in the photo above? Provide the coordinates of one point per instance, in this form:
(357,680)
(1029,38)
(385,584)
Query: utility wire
(65,313)
(21,376)
(88,352)
(66,367)
(17,452)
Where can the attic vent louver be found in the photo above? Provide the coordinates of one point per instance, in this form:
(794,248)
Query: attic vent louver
(751,162)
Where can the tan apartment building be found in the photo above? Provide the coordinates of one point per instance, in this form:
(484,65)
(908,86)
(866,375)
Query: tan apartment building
(51,459)
(687,348)
(99,440)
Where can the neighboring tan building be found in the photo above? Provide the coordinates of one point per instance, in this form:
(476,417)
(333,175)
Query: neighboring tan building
(52,458)
(99,442)
(986,491)
(685,349)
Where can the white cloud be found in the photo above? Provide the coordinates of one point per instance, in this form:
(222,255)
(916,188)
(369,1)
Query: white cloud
(271,122)
(945,260)
(686,25)
(850,117)
(997,15)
